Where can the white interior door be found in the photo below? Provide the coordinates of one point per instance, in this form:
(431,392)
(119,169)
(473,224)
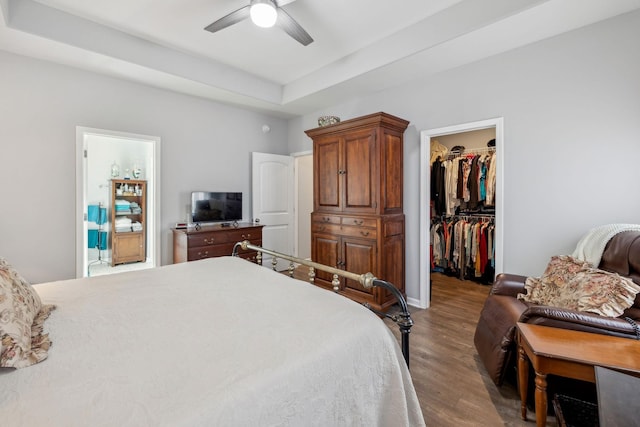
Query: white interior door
(272,202)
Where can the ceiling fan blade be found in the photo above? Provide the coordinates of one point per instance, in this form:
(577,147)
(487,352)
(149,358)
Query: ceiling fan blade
(281,3)
(291,27)
(228,20)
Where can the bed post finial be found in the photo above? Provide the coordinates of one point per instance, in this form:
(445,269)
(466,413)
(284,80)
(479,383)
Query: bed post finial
(336,283)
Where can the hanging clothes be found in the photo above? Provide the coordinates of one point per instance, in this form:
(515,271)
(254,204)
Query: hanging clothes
(462,246)
(463,183)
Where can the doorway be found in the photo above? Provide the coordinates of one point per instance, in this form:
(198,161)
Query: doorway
(425,186)
(303,170)
(101,156)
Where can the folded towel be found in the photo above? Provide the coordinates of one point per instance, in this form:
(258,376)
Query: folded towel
(119,222)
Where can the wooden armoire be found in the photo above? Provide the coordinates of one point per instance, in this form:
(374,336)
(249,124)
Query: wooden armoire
(357,222)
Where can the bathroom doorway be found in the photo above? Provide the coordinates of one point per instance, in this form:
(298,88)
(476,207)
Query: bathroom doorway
(103,155)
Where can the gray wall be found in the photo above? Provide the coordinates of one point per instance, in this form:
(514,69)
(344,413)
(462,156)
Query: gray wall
(570,105)
(571,108)
(205,145)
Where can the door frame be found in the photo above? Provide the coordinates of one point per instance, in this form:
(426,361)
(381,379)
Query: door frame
(301,226)
(153,197)
(425,195)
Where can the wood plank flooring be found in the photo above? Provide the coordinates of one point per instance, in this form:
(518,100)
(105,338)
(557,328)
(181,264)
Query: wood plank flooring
(451,383)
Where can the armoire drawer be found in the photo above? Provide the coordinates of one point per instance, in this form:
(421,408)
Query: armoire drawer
(326,219)
(364,232)
(340,230)
(359,221)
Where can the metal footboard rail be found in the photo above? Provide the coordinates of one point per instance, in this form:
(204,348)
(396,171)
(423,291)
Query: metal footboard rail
(367,280)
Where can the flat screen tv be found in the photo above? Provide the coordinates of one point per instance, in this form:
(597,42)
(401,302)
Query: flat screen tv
(208,206)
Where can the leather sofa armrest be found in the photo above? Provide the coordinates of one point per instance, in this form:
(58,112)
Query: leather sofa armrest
(508,284)
(578,321)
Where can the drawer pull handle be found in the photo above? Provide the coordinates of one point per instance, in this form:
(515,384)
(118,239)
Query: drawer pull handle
(247,237)
(364,233)
(358,221)
(209,241)
(321,228)
(326,219)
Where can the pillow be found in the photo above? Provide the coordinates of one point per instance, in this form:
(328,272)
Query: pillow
(575,285)
(601,292)
(562,268)
(22,316)
(539,291)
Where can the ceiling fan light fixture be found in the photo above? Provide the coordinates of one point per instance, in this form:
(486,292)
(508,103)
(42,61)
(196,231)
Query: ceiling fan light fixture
(263,13)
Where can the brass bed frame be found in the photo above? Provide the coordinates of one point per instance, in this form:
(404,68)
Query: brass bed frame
(367,280)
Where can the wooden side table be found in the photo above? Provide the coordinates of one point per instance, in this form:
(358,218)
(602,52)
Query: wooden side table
(567,353)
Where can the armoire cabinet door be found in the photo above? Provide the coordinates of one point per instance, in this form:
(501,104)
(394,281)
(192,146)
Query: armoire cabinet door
(327,174)
(325,249)
(358,256)
(360,172)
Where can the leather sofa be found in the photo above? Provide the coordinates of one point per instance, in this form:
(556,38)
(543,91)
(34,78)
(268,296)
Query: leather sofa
(494,337)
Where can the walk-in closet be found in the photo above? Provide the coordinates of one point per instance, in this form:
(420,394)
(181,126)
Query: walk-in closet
(461,206)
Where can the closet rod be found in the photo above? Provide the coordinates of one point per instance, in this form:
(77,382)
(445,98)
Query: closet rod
(468,216)
(471,151)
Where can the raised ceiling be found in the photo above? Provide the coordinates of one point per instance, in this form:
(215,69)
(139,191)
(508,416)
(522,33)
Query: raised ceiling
(360,46)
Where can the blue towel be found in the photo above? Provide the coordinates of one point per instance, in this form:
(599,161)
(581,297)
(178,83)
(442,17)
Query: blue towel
(103,240)
(102,218)
(92,238)
(92,213)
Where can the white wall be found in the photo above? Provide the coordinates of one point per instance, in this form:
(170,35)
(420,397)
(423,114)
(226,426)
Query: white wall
(205,146)
(571,108)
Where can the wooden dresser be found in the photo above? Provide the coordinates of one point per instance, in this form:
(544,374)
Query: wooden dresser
(358,220)
(210,241)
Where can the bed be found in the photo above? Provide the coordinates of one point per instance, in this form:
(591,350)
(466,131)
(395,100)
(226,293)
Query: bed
(216,342)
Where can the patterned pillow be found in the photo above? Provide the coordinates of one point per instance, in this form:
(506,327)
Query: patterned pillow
(22,316)
(575,285)
(539,291)
(562,269)
(602,292)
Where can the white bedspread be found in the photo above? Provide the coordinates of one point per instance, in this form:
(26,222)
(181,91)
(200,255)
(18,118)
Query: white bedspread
(218,342)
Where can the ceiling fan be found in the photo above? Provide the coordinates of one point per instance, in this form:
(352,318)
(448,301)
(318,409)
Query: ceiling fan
(264,13)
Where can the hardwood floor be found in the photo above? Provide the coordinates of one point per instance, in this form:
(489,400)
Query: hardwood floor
(451,383)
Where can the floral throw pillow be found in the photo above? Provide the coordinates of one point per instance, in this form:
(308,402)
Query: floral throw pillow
(22,316)
(602,292)
(576,285)
(562,269)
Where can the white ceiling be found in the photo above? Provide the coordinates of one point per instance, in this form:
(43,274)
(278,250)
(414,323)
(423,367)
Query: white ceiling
(360,46)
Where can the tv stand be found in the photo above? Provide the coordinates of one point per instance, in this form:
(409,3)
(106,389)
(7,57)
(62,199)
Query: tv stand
(214,240)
